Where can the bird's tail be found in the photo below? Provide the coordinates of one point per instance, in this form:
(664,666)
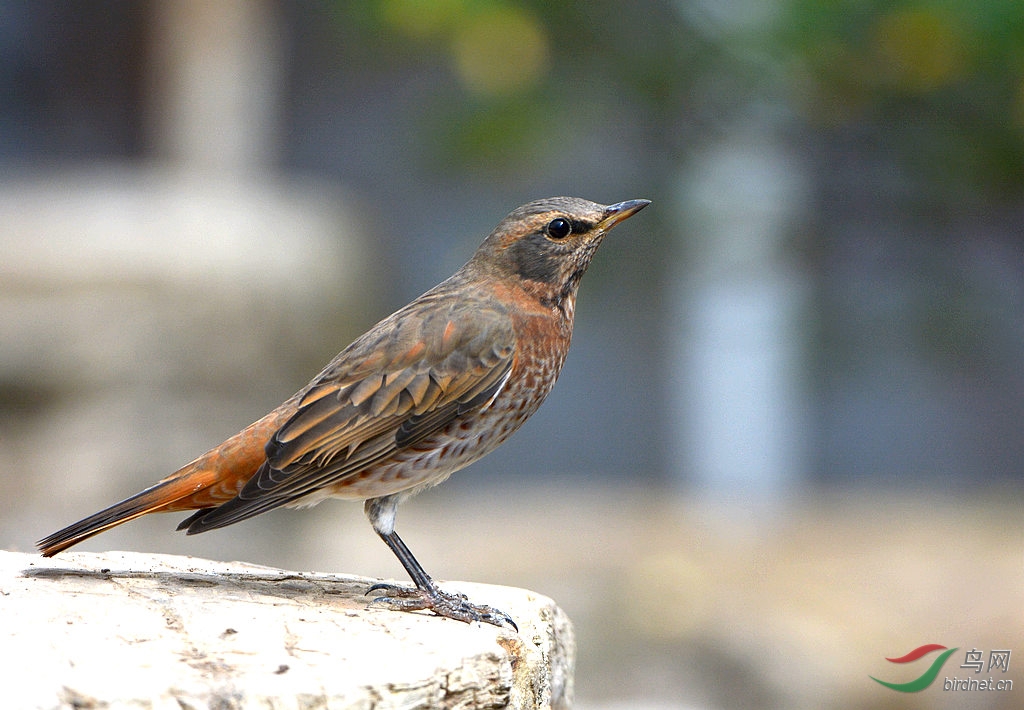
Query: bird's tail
(172,493)
(214,478)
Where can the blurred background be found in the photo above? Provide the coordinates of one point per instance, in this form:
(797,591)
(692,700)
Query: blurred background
(787,441)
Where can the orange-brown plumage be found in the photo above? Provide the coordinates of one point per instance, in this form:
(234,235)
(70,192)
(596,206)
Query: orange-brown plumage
(214,478)
(428,390)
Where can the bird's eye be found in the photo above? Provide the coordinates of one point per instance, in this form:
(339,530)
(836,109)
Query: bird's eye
(558,228)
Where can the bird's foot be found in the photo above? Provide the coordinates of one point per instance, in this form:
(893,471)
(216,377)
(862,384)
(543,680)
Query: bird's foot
(451,606)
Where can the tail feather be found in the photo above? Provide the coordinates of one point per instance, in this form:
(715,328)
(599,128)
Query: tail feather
(212,479)
(153,499)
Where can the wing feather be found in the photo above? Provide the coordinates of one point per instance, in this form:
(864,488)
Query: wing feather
(445,360)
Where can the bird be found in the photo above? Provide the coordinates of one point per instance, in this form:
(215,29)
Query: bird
(425,392)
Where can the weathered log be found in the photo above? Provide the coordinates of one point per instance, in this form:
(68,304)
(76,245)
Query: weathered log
(129,630)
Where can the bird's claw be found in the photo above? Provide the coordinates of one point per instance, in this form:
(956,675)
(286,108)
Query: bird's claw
(448,605)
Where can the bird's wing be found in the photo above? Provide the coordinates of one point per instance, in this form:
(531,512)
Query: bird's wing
(405,379)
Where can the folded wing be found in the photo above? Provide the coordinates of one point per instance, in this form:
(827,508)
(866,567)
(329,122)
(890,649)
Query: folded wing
(407,378)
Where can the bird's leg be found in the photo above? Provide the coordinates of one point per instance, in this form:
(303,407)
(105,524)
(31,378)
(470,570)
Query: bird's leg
(427,595)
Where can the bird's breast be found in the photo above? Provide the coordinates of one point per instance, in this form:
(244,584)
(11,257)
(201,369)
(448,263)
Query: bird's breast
(542,342)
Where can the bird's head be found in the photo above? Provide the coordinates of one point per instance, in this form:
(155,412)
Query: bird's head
(549,243)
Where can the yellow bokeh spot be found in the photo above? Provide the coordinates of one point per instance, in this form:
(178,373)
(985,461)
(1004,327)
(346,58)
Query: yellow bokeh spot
(500,50)
(422,19)
(919,50)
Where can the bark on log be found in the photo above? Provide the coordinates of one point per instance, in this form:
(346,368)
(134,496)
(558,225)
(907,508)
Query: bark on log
(129,630)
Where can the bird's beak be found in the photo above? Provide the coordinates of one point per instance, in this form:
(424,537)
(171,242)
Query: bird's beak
(613,214)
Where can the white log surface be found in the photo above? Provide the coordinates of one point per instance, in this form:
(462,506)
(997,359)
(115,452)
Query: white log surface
(128,630)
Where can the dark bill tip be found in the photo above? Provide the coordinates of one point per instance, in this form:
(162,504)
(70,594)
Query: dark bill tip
(613,214)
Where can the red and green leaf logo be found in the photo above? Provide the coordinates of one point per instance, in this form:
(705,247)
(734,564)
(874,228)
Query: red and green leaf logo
(926,678)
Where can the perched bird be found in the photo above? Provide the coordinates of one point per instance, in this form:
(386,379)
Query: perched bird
(428,390)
